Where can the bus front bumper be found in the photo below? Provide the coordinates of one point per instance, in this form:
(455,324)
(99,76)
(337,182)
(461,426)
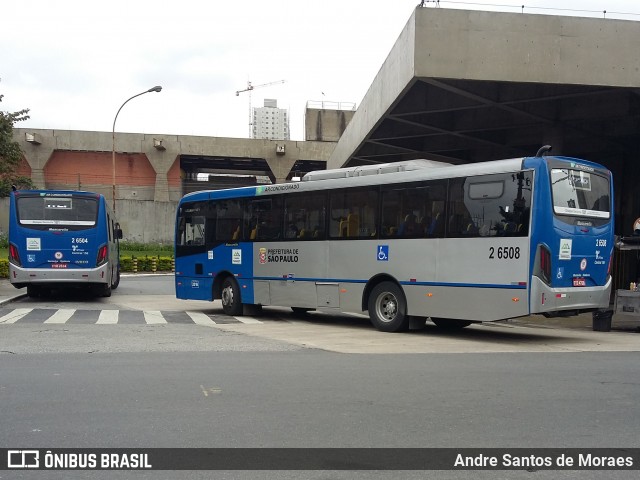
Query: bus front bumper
(21,277)
(545,299)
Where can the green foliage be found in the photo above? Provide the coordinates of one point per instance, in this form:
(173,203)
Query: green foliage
(144,247)
(146,264)
(4,268)
(10,152)
(4,241)
(126,264)
(165,264)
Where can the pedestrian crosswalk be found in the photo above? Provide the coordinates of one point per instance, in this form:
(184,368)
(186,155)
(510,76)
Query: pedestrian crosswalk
(69,316)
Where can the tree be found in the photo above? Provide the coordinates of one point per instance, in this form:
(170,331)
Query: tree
(10,152)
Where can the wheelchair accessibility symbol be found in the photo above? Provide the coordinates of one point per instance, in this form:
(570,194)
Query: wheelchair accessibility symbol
(383,253)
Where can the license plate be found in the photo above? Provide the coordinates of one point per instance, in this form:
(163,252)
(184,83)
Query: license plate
(579,282)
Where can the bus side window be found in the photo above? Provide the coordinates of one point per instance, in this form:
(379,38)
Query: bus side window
(499,204)
(227,216)
(303,215)
(354,213)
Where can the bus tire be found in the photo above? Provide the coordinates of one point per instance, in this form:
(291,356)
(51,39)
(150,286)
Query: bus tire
(104,290)
(230,295)
(450,323)
(388,308)
(115,282)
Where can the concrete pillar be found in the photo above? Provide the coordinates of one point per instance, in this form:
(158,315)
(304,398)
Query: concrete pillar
(282,158)
(37,177)
(161,150)
(38,146)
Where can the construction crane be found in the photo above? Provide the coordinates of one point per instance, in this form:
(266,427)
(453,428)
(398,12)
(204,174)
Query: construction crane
(249,89)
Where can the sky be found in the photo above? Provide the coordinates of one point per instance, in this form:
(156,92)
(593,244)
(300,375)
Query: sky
(73,63)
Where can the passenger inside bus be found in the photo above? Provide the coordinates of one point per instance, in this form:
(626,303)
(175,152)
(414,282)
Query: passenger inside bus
(292,231)
(409,227)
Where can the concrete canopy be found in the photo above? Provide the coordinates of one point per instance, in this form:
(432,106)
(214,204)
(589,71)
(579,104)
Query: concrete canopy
(466,86)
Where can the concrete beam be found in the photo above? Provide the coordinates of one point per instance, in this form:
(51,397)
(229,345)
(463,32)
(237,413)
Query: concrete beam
(163,149)
(439,43)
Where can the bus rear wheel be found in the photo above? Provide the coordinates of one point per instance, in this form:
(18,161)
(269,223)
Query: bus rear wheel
(115,280)
(231,302)
(450,323)
(388,308)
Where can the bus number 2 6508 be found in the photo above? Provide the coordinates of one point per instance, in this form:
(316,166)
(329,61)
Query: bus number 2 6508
(504,253)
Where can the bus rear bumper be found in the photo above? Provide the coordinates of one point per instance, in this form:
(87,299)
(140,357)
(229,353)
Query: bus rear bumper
(545,299)
(21,277)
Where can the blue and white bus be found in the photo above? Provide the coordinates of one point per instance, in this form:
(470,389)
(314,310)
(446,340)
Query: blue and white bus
(60,239)
(407,241)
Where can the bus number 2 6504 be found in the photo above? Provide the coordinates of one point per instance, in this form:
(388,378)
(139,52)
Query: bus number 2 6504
(504,253)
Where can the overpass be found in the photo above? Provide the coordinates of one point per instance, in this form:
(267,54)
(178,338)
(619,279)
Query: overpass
(157,167)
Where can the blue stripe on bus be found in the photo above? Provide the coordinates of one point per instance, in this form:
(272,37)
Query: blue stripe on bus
(422,284)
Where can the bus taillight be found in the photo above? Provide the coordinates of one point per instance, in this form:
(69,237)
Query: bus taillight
(103,252)
(14,256)
(545,263)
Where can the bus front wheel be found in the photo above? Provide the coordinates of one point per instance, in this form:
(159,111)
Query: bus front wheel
(388,308)
(231,303)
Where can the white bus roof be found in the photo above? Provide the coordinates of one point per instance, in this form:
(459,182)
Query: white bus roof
(377,169)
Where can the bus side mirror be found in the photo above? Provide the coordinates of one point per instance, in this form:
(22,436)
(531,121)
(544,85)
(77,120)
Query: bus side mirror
(119,234)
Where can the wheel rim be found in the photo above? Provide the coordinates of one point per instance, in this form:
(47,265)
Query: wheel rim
(227,296)
(387,307)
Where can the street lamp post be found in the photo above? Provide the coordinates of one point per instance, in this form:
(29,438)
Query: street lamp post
(157,88)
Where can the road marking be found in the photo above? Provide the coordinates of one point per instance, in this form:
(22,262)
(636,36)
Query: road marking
(15,315)
(207,391)
(108,317)
(247,320)
(112,317)
(61,316)
(200,318)
(154,317)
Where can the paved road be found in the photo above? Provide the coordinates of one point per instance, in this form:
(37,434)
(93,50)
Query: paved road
(312,381)
(313,398)
(149,301)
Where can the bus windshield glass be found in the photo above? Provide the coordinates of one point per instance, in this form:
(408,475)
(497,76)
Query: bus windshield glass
(579,193)
(46,211)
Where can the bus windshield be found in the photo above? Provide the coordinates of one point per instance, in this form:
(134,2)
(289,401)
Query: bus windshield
(42,212)
(579,193)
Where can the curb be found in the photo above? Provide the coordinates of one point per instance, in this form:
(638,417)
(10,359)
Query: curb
(12,298)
